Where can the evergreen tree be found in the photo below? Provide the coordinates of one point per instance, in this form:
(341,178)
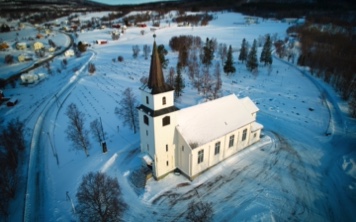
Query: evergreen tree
(229,64)
(208,52)
(252,62)
(178,83)
(243,51)
(266,54)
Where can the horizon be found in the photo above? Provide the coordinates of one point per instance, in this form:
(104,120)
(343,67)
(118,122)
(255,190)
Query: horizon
(128,2)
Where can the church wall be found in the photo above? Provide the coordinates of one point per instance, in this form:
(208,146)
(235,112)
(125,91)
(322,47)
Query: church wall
(146,135)
(164,144)
(144,100)
(255,136)
(158,100)
(183,154)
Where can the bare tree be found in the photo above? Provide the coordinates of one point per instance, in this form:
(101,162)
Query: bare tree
(199,212)
(97,130)
(171,76)
(218,81)
(128,111)
(135,51)
(206,81)
(99,198)
(75,130)
(146,51)
(222,50)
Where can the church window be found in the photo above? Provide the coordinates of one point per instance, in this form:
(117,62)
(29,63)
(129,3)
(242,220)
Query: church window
(217,148)
(146,132)
(148,147)
(164,100)
(166,121)
(147,101)
(166,147)
(200,156)
(167,163)
(145,120)
(182,148)
(244,134)
(254,135)
(231,141)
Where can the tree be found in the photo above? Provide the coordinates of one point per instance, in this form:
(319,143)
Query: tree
(75,130)
(12,142)
(266,54)
(146,51)
(170,77)
(9,59)
(206,81)
(229,64)
(199,212)
(252,62)
(352,104)
(178,82)
(97,130)
(208,52)
(82,47)
(91,68)
(99,198)
(162,52)
(128,111)
(222,51)
(218,82)
(243,51)
(183,56)
(135,51)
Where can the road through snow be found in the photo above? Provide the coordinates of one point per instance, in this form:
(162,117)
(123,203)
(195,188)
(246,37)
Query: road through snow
(36,190)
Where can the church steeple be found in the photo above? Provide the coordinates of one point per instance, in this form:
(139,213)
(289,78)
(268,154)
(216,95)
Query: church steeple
(156,79)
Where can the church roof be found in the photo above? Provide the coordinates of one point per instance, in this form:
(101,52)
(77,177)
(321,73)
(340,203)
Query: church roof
(156,81)
(211,120)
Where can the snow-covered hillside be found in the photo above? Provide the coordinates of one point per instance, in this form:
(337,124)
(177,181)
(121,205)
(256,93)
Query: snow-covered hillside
(297,172)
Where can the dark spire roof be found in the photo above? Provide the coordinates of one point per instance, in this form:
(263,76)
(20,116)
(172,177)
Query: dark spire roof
(155,79)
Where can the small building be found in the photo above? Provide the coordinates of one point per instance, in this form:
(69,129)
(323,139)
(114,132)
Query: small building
(101,42)
(38,46)
(21,46)
(69,53)
(196,138)
(12,102)
(24,58)
(28,78)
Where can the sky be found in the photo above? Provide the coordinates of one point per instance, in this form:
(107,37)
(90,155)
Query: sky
(296,172)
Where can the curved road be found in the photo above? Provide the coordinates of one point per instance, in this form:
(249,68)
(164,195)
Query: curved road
(35,200)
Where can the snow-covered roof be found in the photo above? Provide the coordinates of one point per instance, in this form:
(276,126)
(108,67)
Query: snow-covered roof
(249,105)
(208,121)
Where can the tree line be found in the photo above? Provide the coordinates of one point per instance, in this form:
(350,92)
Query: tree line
(331,56)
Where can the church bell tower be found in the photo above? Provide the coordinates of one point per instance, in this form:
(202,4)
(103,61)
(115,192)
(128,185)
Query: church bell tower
(157,118)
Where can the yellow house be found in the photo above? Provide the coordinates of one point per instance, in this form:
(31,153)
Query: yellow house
(37,46)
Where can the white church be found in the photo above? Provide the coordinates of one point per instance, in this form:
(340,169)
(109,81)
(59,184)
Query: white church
(193,139)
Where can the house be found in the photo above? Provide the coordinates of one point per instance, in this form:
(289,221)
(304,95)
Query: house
(24,58)
(193,139)
(101,42)
(21,45)
(37,46)
(69,53)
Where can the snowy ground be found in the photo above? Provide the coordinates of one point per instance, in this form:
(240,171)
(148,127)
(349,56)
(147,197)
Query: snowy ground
(295,173)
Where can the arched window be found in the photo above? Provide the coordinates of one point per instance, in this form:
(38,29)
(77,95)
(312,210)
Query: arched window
(145,120)
(164,100)
(166,121)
